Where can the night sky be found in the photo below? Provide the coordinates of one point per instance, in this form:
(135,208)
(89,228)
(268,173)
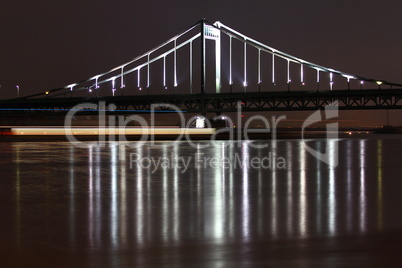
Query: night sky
(47,44)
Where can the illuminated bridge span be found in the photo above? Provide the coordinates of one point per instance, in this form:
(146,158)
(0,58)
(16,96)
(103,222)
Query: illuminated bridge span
(212,68)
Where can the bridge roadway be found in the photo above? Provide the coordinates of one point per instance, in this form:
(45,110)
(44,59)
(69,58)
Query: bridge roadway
(215,103)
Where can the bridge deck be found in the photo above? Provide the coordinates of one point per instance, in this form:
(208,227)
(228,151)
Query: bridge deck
(215,103)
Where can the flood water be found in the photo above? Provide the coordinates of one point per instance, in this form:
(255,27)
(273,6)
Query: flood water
(182,205)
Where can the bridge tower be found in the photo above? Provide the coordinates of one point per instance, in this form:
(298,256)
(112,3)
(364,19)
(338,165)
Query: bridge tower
(210,32)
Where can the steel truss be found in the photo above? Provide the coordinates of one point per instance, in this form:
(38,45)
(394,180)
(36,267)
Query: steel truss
(216,103)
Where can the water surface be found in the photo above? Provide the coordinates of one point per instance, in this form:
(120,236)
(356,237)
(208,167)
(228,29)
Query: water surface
(115,206)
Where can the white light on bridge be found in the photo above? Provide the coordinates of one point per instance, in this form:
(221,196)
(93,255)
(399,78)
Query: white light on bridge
(113,85)
(139,79)
(379,83)
(148,75)
(191,67)
(71,86)
(211,33)
(259,66)
(273,68)
(348,77)
(175,63)
(230,61)
(245,64)
(122,80)
(164,72)
(96,82)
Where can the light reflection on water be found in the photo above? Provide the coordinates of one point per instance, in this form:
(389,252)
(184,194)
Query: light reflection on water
(332,190)
(90,200)
(379,184)
(362,186)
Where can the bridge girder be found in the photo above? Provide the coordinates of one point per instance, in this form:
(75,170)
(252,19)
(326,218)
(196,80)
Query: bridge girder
(217,103)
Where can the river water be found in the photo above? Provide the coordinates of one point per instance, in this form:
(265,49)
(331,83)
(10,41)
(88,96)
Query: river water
(198,205)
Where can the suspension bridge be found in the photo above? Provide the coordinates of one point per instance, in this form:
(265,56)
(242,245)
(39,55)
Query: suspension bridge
(211,68)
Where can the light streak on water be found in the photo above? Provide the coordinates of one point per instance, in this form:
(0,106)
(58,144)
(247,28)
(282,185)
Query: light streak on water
(303,210)
(91,216)
(114,208)
(289,199)
(362,200)
(176,210)
(72,194)
(332,208)
(165,198)
(349,199)
(123,196)
(319,192)
(379,184)
(245,191)
(274,204)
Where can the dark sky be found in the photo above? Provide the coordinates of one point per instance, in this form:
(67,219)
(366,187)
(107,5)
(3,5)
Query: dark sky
(46,44)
